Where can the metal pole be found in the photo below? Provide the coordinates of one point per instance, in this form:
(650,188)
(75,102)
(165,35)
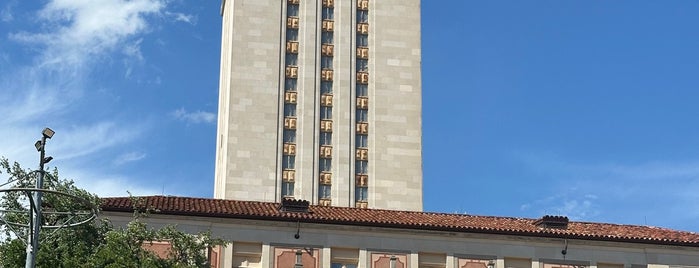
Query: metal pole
(33,247)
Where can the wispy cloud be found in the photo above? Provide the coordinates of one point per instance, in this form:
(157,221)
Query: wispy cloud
(75,37)
(191,19)
(78,31)
(6,13)
(655,192)
(194,117)
(129,157)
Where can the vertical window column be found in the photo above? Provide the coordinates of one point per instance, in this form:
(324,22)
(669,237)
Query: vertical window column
(326,103)
(290,99)
(361,159)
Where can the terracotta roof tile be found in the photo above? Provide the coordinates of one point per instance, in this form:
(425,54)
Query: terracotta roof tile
(403,219)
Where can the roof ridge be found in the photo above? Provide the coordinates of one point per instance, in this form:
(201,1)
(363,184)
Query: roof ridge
(437,221)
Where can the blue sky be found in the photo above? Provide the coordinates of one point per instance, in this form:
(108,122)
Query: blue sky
(581,108)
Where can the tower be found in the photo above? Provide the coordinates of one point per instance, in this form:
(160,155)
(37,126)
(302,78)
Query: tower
(321,100)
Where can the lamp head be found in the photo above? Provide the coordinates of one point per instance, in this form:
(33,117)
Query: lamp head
(48,159)
(48,133)
(38,145)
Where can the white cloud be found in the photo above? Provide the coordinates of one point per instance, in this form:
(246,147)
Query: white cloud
(6,12)
(75,37)
(191,19)
(194,117)
(81,29)
(663,191)
(129,157)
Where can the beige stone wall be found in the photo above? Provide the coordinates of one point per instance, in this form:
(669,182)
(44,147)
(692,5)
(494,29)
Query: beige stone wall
(255,244)
(248,160)
(248,146)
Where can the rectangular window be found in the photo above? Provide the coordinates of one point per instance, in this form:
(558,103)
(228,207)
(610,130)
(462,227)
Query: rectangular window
(325,164)
(362,141)
(328,13)
(287,188)
(292,10)
(290,84)
(289,136)
(362,115)
(326,112)
(326,37)
(361,193)
(362,16)
(362,90)
(292,34)
(324,191)
(326,62)
(292,59)
(326,87)
(288,162)
(361,167)
(342,265)
(290,110)
(362,65)
(326,138)
(362,40)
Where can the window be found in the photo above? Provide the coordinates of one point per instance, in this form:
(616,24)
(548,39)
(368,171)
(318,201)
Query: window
(290,84)
(362,141)
(326,87)
(362,65)
(362,16)
(328,13)
(362,40)
(292,59)
(362,90)
(342,265)
(288,162)
(361,167)
(292,34)
(292,10)
(362,115)
(326,62)
(326,112)
(324,191)
(325,164)
(326,138)
(290,110)
(325,37)
(361,194)
(287,188)
(289,136)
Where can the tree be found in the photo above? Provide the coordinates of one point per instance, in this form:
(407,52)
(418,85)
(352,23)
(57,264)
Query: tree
(96,244)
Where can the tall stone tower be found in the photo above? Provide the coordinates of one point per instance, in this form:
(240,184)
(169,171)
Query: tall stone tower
(321,100)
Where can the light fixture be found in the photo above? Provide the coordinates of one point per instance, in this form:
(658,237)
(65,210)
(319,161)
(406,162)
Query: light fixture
(38,145)
(392,263)
(48,133)
(491,264)
(299,261)
(48,159)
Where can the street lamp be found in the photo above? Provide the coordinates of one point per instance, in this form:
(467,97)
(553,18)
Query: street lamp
(35,221)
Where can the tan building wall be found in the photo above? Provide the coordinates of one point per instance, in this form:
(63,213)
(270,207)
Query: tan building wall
(254,56)
(258,243)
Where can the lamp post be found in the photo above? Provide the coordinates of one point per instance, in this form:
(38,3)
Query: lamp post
(35,202)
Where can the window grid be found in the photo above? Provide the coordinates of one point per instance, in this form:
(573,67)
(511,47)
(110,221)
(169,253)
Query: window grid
(290,91)
(326,95)
(362,109)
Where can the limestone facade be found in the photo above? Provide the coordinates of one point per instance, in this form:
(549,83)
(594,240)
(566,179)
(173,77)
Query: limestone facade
(373,154)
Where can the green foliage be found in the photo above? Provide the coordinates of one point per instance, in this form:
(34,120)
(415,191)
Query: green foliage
(96,244)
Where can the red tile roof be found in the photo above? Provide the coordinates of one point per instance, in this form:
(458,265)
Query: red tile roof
(171,205)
